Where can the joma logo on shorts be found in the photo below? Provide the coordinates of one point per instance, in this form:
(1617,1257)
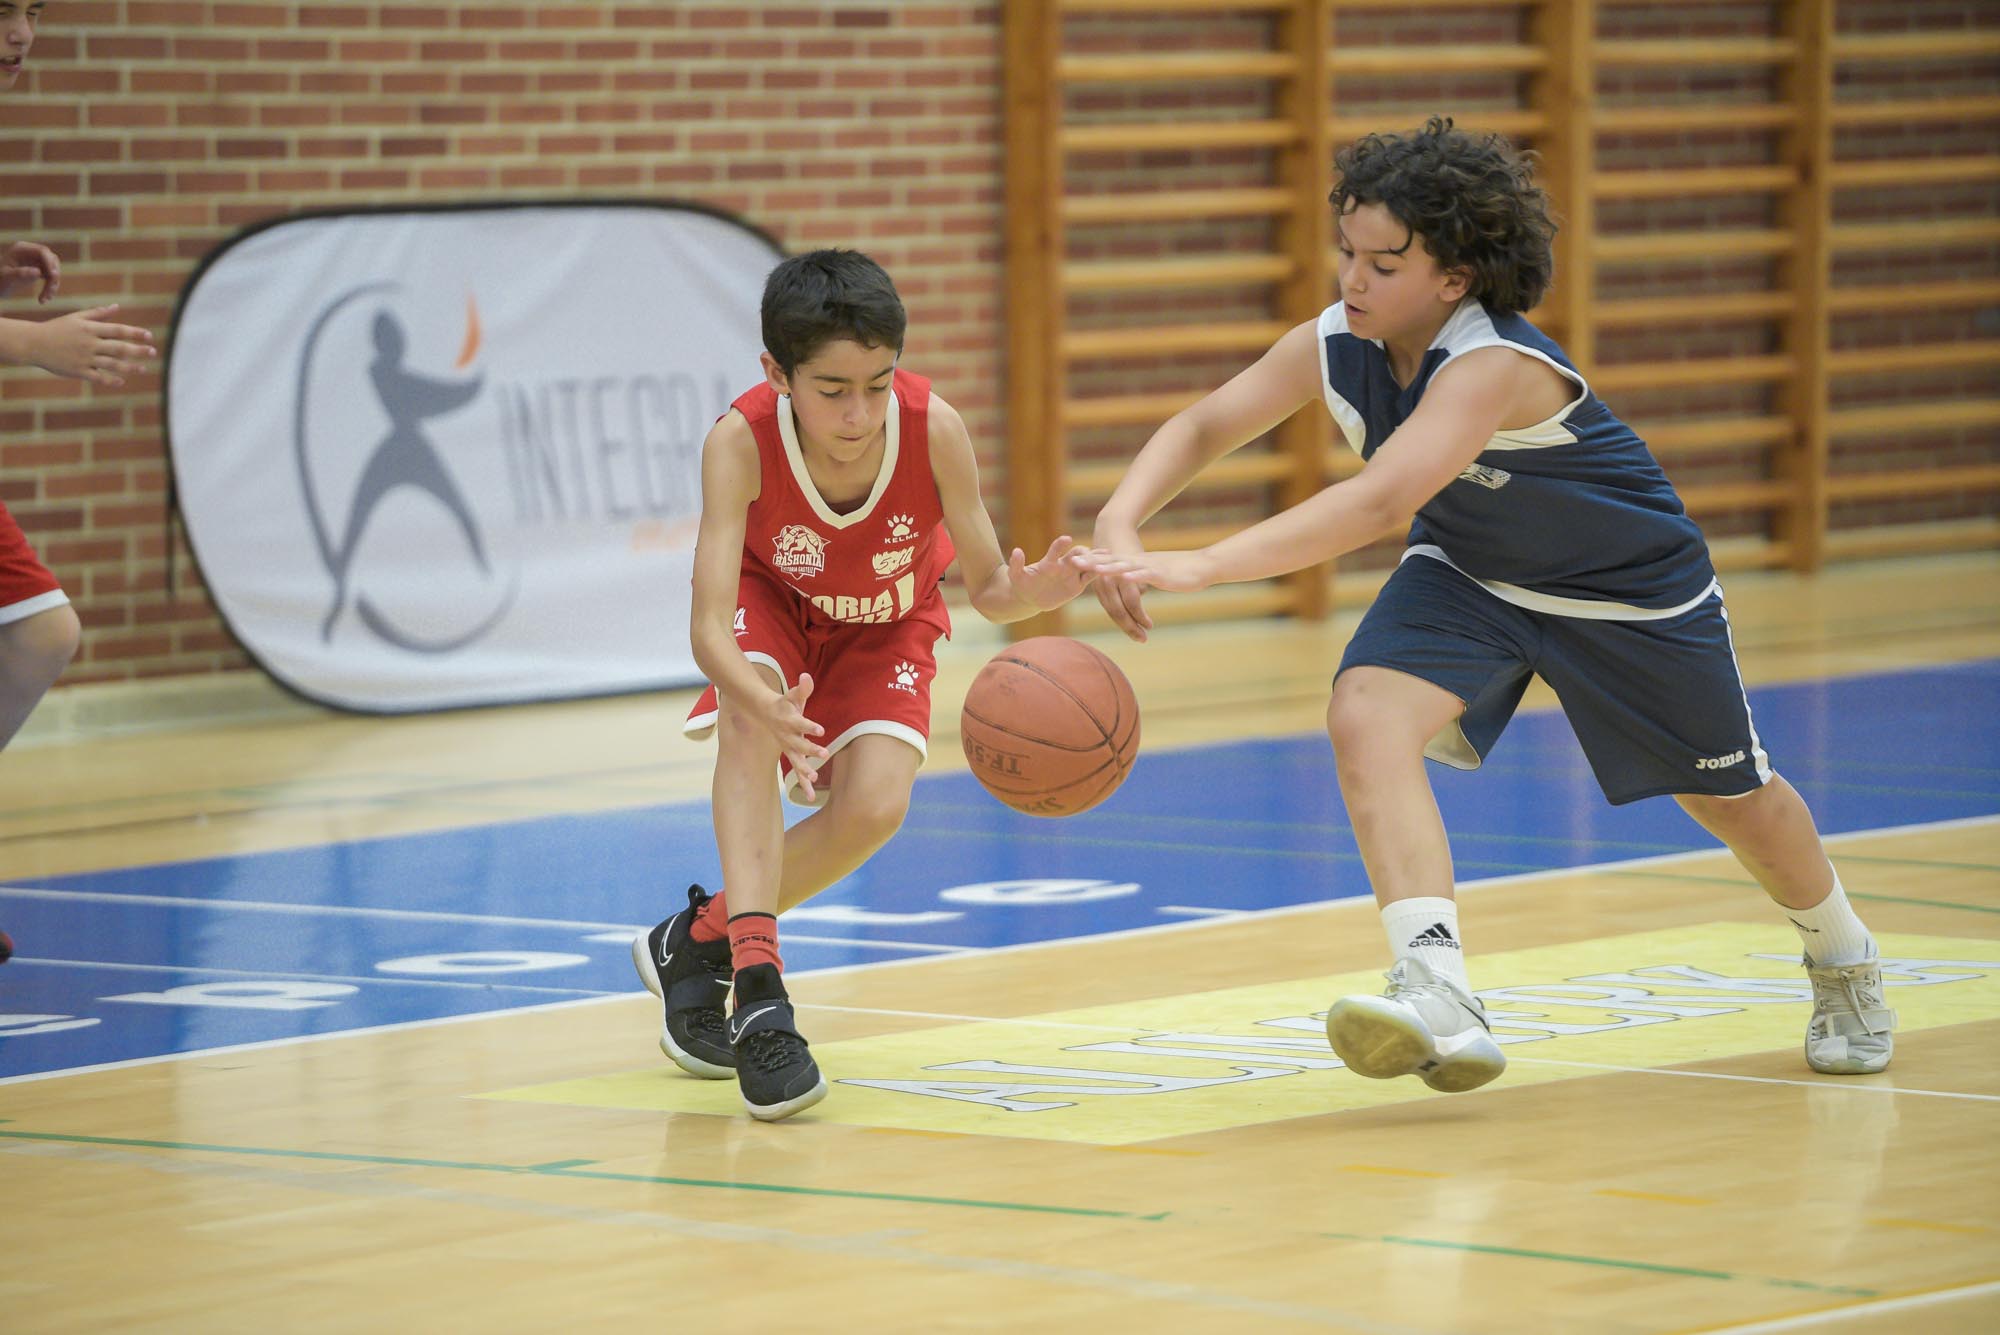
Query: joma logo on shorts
(1720,762)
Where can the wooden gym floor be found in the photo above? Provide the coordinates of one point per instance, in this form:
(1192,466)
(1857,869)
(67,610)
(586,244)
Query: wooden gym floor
(325,1023)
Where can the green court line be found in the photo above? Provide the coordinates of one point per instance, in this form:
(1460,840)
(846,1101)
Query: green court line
(1919,862)
(1654,1267)
(1925,903)
(565,1168)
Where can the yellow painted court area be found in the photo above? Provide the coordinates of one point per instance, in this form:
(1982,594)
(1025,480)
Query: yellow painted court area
(1211,1061)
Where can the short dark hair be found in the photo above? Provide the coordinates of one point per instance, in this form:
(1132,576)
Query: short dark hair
(1472,199)
(823,296)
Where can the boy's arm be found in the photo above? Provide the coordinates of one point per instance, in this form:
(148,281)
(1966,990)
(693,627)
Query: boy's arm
(80,345)
(1002,589)
(1461,410)
(1264,394)
(729,483)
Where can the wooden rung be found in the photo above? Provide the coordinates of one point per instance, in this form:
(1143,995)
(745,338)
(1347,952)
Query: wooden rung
(1902,418)
(1194,134)
(1177,67)
(1338,5)
(1915,111)
(1230,602)
(1914,357)
(1523,123)
(1171,537)
(1913,171)
(1958,535)
(1912,296)
(1126,409)
(1158,341)
(1691,436)
(1652,183)
(1341,462)
(1850,237)
(1761,494)
(1710,309)
(1703,52)
(1668,119)
(1686,245)
(1912,482)
(1756,554)
(1201,271)
(1242,469)
(1952,44)
(1150,6)
(1155,206)
(1695,371)
(1414,59)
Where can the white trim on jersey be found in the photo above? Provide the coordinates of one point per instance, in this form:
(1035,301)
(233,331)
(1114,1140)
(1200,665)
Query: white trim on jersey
(892,430)
(702,726)
(1584,609)
(1333,320)
(1764,771)
(1468,329)
(28,607)
(884,727)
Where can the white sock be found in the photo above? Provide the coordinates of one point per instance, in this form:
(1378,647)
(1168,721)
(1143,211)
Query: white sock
(1426,929)
(1831,932)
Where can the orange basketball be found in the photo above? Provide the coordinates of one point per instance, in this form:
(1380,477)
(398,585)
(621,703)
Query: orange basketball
(1050,726)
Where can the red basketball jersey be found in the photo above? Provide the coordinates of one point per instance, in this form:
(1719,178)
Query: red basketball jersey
(879,563)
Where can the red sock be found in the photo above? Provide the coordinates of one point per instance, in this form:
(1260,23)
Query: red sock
(712,923)
(753,940)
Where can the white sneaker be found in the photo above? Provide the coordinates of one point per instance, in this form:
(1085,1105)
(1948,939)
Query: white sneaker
(1851,1032)
(1422,1025)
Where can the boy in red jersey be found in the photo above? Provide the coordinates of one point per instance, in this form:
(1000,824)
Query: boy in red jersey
(833,497)
(38,630)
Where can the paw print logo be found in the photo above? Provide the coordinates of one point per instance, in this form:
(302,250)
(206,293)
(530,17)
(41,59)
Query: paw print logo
(906,678)
(902,528)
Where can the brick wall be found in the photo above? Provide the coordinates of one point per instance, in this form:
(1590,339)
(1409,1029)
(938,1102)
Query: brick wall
(148,131)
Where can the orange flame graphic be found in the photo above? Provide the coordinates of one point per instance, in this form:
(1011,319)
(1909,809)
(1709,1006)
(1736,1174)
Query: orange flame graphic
(470,349)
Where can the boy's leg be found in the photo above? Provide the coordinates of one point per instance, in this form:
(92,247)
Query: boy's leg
(1427,1022)
(864,808)
(1660,708)
(1435,669)
(1772,834)
(33,652)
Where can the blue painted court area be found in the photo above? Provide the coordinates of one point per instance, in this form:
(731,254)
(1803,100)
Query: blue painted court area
(139,963)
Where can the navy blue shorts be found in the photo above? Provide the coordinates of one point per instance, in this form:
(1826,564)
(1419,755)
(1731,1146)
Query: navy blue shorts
(1658,705)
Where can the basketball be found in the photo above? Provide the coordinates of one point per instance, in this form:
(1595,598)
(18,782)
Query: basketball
(1050,726)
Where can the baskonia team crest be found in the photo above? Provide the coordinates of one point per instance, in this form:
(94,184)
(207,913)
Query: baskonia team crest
(801,552)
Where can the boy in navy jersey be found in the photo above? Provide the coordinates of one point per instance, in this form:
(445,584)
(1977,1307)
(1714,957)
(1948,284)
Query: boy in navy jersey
(834,495)
(1543,539)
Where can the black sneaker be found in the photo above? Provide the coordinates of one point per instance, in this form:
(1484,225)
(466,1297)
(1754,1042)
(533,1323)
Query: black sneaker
(774,1069)
(692,978)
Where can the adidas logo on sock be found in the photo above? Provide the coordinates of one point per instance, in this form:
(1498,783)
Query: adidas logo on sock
(1437,934)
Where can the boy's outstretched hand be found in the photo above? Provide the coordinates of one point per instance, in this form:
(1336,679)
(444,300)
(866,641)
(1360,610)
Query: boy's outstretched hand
(1052,581)
(84,346)
(1123,577)
(785,716)
(25,263)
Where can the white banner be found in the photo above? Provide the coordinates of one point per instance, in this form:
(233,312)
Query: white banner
(451,457)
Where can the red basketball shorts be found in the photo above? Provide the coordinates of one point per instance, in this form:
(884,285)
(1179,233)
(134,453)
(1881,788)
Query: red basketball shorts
(873,678)
(26,586)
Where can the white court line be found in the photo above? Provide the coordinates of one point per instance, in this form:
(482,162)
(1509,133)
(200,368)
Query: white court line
(421,915)
(1819,1320)
(1093,940)
(1190,911)
(488,985)
(1854,1085)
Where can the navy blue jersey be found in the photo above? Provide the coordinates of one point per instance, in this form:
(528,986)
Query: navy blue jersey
(1571,516)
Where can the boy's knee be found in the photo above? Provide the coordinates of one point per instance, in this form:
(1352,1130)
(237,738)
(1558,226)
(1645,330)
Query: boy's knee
(36,649)
(878,813)
(1353,719)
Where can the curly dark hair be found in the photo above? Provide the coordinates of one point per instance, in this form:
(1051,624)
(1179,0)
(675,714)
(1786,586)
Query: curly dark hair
(823,296)
(1473,201)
